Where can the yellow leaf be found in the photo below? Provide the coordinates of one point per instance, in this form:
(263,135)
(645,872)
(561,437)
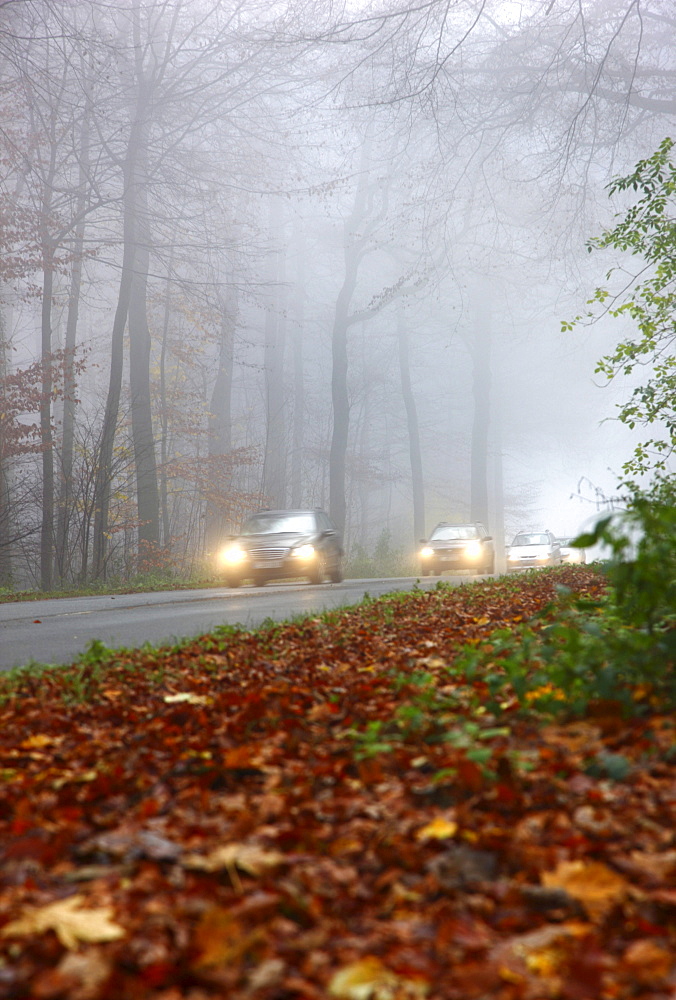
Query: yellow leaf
(368,978)
(438,829)
(546,963)
(69,922)
(188,697)
(39,740)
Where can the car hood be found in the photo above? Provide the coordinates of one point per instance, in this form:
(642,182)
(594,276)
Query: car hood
(451,543)
(285,539)
(532,551)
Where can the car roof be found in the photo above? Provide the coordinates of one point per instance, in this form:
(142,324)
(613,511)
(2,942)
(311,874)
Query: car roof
(459,524)
(288,510)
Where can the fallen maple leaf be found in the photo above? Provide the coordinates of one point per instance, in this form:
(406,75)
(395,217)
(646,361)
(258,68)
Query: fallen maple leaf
(249,858)
(595,885)
(369,979)
(70,923)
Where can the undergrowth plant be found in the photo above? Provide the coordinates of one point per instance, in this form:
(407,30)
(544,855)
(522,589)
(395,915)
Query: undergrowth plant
(619,649)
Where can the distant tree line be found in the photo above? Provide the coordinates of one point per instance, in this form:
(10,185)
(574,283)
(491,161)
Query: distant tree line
(237,237)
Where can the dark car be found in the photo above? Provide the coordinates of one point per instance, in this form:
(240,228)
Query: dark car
(278,544)
(457,546)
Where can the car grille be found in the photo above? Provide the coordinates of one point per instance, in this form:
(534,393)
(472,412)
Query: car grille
(269,553)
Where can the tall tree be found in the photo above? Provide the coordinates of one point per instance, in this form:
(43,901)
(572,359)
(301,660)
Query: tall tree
(83,195)
(415,451)
(480,351)
(274,464)
(220,407)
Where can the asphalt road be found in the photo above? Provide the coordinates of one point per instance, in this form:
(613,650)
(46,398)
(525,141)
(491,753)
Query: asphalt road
(57,631)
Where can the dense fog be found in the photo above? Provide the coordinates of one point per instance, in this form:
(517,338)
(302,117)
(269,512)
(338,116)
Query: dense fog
(304,253)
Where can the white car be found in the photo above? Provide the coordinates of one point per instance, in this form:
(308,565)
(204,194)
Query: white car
(569,554)
(531,549)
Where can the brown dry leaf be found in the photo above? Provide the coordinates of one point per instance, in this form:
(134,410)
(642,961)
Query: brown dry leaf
(79,976)
(648,962)
(595,885)
(660,866)
(219,938)
(69,921)
(542,953)
(577,737)
(438,829)
(112,693)
(595,822)
(249,858)
(268,974)
(369,979)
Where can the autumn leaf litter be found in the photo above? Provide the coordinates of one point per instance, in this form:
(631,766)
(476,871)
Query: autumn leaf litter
(242,818)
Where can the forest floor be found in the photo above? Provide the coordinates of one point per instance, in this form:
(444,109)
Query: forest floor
(327,808)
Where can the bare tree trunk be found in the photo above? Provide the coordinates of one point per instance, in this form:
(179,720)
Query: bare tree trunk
(297,440)
(64,512)
(497,520)
(360,534)
(352,255)
(481,389)
(417,484)
(5,505)
(131,307)
(104,472)
(163,415)
(341,401)
(147,492)
(274,466)
(46,441)
(220,412)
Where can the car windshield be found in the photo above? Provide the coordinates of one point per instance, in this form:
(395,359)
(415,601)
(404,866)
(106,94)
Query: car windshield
(531,539)
(272,524)
(451,532)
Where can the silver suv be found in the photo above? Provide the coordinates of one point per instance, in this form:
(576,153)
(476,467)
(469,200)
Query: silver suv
(457,546)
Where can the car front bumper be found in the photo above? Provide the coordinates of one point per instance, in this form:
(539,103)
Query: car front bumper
(446,559)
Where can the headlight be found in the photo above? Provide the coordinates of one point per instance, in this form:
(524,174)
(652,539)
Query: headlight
(231,555)
(303,552)
(426,552)
(473,550)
